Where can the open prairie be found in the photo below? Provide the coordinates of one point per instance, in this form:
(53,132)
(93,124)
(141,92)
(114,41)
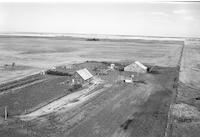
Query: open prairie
(153,106)
(39,53)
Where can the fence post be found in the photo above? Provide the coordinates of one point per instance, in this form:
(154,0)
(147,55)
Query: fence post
(6,114)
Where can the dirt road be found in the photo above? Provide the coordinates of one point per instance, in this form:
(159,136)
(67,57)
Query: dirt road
(65,102)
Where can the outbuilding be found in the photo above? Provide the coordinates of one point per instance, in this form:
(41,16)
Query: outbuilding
(128,80)
(112,66)
(136,67)
(82,76)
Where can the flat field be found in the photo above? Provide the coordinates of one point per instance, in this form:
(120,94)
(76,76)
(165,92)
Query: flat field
(39,53)
(113,108)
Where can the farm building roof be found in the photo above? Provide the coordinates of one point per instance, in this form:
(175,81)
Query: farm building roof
(85,74)
(140,64)
(136,67)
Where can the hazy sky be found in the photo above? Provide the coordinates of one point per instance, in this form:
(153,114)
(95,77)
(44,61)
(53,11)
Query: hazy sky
(158,19)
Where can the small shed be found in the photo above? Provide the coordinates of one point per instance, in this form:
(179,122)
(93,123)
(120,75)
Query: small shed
(136,67)
(82,76)
(128,80)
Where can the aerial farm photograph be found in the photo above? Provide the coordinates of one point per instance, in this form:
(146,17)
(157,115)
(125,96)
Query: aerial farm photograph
(99,68)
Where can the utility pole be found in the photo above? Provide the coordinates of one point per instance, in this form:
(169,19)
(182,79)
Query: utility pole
(6,114)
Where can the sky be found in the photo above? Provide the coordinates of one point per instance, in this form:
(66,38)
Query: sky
(176,19)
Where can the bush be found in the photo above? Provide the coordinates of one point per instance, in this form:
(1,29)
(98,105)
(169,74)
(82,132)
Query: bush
(119,68)
(75,87)
(95,69)
(106,63)
(59,73)
(92,39)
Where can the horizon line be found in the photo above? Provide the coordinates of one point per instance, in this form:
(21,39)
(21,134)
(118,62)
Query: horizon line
(62,34)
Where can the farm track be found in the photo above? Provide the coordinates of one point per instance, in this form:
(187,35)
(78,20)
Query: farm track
(59,103)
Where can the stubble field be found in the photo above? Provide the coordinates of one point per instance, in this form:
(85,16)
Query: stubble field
(39,53)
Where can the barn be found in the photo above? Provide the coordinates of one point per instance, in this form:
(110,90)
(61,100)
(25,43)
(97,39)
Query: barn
(82,76)
(136,67)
